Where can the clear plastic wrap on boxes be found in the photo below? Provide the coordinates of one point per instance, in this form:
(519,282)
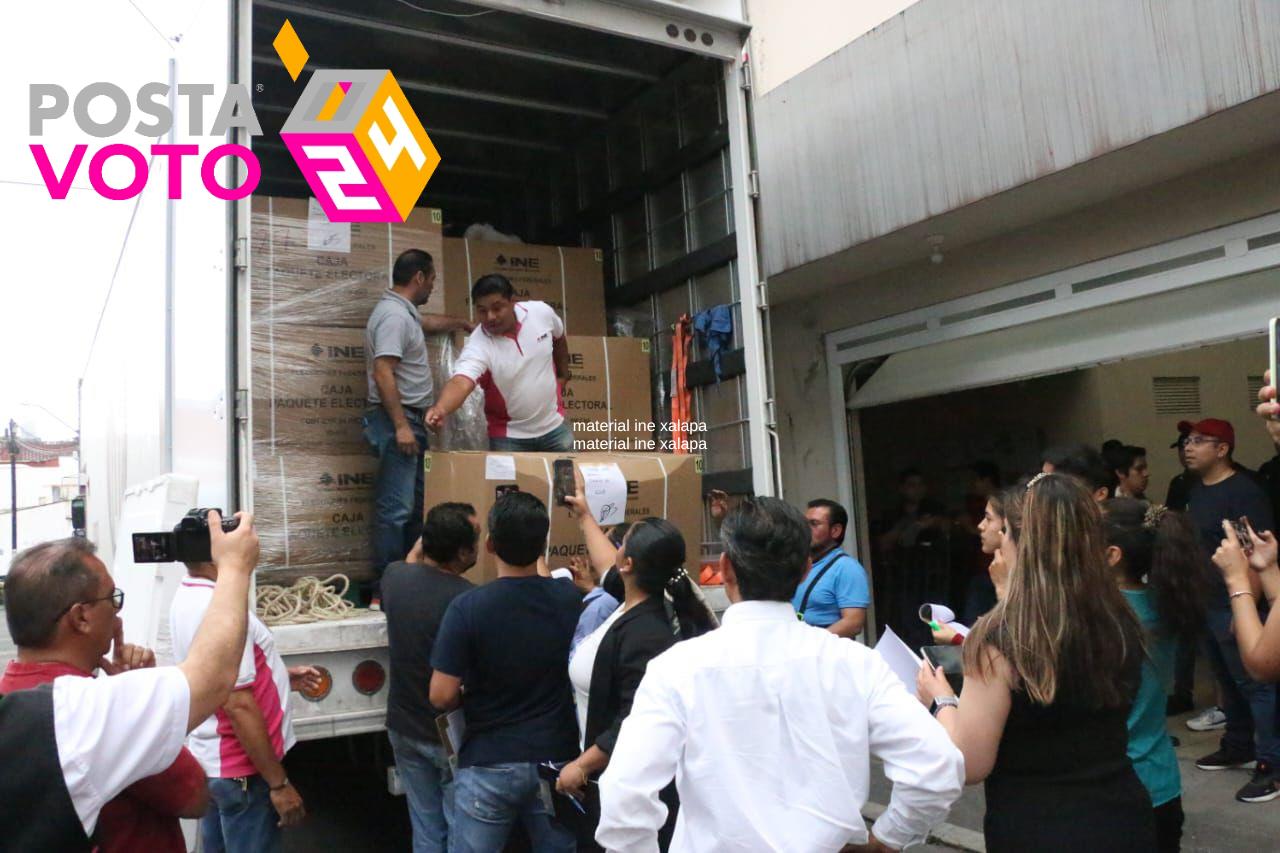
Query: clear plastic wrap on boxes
(467,428)
(313,509)
(631,322)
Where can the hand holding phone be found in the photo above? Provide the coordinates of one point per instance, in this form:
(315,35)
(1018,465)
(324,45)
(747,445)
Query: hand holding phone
(1242,527)
(562,476)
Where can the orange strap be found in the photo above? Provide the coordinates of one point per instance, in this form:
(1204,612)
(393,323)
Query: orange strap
(681,398)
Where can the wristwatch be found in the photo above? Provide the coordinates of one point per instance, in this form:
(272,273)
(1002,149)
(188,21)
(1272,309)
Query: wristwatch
(944,702)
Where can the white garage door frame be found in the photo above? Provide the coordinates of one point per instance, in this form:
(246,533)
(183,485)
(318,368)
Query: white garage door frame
(1197,260)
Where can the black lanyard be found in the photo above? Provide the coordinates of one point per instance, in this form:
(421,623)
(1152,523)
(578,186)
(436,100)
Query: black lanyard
(804,602)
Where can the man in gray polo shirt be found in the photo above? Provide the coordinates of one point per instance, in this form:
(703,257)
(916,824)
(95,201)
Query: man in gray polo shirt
(399,393)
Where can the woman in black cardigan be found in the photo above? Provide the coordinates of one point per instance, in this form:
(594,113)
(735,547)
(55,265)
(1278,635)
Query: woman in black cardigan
(650,563)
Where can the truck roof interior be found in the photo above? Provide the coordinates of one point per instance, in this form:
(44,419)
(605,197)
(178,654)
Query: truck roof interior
(519,108)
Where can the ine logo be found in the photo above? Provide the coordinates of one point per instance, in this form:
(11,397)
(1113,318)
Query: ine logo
(326,479)
(317,350)
(529,263)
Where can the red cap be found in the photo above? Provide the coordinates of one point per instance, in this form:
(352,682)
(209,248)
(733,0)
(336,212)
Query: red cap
(1212,427)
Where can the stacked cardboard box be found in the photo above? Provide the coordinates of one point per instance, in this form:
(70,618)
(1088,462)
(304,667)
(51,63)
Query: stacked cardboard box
(312,286)
(658,484)
(570,280)
(308,271)
(608,399)
(314,510)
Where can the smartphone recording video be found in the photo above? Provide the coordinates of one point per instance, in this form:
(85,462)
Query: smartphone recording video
(563,477)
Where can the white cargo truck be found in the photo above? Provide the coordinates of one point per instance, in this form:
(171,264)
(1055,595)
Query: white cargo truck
(622,126)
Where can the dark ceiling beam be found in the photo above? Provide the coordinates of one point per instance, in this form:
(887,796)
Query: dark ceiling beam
(411,85)
(456,133)
(540,56)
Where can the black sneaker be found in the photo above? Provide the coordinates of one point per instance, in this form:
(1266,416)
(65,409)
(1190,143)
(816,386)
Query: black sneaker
(1262,788)
(1223,760)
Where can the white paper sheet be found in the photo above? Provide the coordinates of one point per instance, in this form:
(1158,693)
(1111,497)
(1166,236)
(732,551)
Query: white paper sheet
(606,492)
(904,662)
(944,615)
(323,235)
(499,467)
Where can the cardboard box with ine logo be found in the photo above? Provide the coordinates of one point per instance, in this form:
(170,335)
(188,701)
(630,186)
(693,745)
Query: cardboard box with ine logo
(656,484)
(308,270)
(609,398)
(310,389)
(314,512)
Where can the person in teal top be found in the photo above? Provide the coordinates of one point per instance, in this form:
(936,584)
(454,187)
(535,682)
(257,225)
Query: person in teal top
(1155,557)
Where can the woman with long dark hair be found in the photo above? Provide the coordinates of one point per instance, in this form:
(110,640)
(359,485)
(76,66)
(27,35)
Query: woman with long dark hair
(1154,554)
(998,534)
(1050,674)
(607,666)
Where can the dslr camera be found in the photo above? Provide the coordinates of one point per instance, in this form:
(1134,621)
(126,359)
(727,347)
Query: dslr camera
(188,542)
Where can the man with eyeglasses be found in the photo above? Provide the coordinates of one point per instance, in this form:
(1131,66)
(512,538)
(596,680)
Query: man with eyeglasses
(62,607)
(70,747)
(1251,739)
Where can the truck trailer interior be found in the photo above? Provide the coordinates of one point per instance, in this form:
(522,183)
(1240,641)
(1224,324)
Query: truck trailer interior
(558,134)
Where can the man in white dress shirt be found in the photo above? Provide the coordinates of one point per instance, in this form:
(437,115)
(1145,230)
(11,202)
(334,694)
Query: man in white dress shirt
(769,725)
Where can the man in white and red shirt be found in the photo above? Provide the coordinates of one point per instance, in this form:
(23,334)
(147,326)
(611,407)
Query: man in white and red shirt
(241,746)
(519,356)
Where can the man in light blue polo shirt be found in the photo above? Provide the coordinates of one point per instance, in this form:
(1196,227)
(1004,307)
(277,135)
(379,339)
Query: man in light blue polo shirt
(834,594)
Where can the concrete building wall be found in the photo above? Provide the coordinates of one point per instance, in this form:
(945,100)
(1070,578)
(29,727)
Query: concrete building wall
(1213,197)
(788,38)
(949,102)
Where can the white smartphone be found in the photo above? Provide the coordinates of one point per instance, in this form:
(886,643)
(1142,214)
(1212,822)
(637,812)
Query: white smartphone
(1275,355)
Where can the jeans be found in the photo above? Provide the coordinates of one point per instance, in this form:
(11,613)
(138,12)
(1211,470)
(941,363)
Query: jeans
(487,802)
(397,491)
(559,439)
(241,818)
(1250,706)
(428,787)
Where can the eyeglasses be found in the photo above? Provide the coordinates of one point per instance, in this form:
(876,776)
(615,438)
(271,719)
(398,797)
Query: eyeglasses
(1196,440)
(116,598)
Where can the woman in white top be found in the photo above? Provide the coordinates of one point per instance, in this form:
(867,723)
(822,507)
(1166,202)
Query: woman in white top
(609,663)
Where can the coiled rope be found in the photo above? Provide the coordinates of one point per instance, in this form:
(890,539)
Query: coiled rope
(308,599)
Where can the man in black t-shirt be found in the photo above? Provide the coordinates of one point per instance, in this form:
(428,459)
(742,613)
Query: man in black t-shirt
(507,643)
(415,595)
(1223,493)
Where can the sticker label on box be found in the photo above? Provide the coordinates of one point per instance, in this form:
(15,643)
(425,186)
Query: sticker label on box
(497,467)
(606,491)
(326,236)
